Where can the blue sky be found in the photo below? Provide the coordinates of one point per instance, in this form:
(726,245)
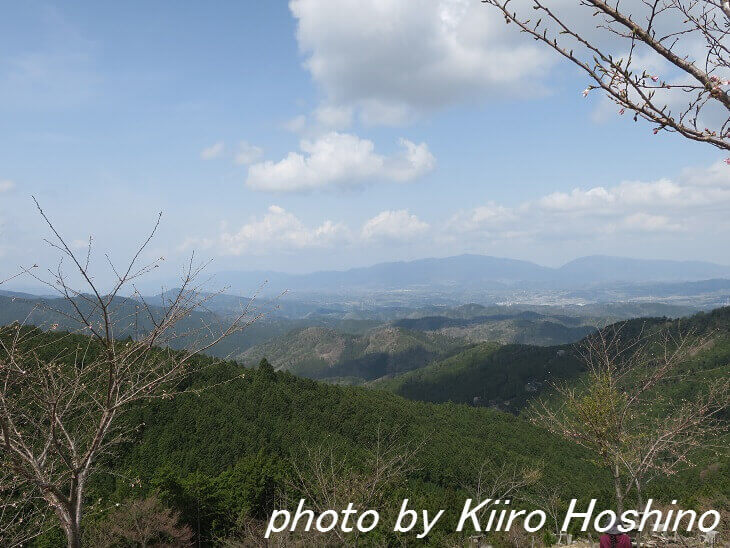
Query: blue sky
(328,134)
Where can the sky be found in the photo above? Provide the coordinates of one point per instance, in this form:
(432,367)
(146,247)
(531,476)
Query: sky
(327,134)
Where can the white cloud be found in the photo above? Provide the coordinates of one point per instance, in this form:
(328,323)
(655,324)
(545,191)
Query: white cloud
(578,199)
(339,159)
(394,225)
(633,216)
(6,185)
(213,151)
(393,60)
(694,202)
(631,194)
(277,230)
(718,175)
(416,160)
(247,153)
(645,222)
(486,217)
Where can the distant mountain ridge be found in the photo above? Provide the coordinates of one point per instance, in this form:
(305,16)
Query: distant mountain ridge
(480,271)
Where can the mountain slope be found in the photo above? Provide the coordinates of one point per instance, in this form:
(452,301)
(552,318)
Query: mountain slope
(235,445)
(505,377)
(524,327)
(55,314)
(508,376)
(321,353)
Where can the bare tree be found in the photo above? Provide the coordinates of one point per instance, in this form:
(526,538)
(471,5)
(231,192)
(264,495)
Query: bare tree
(327,482)
(621,41)
(22,516)
(145,522)
(548,498)
(62,398)
(621,414)
(500,483)
(251,533)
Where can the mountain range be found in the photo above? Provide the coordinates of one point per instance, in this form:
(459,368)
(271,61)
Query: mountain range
(480,271)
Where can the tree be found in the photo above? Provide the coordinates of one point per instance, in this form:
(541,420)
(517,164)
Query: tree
(667,61)
(266,370)
(142,523)
(325,481)
(324,478)
(21,517)
(548,498)
(62,398)
(622,413)
(500,482)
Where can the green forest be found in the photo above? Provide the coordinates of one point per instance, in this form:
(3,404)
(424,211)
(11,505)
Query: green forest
(239,441)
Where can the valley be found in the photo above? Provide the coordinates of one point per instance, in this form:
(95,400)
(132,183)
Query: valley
(449,387)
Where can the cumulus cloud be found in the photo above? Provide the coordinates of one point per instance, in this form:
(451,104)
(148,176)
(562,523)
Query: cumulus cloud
(692,202)
(213,151)
(717,175)
(276,230)
(247,153)
(663,193)
(280,230)
(393,60)
(487,216)
(645,222)
(6,185)
(634,214)
(339,159)
(397,225)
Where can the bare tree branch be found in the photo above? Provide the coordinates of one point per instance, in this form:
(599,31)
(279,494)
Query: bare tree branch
(61,400)
(689,37)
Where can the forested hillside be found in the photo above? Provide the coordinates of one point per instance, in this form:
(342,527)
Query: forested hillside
(508,376)
(52,313)
(488,375)
(323,353)
(524,327)
(229,455)
(226,456)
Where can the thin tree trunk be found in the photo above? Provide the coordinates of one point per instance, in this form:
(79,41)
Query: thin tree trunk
(617,487)
(73,534)
(640,500)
